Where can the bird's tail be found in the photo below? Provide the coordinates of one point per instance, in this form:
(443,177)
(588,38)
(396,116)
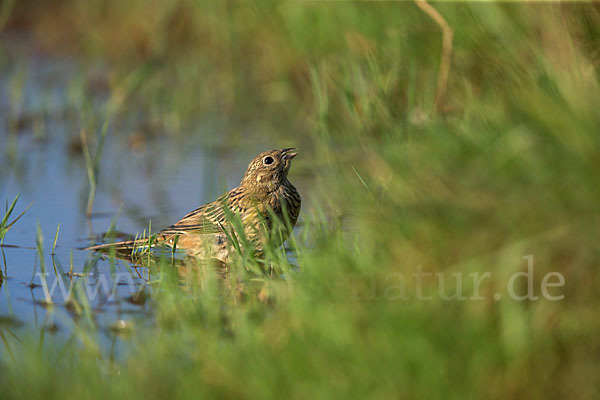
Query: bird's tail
(124,245)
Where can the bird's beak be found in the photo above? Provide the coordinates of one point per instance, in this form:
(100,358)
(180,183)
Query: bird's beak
(288,154)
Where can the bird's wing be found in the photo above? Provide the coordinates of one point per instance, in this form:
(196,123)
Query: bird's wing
(206,219)
(209,218)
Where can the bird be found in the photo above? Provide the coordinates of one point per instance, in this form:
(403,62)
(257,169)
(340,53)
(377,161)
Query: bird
(262,209)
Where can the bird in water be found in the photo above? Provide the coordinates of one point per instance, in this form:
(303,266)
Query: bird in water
(265,204)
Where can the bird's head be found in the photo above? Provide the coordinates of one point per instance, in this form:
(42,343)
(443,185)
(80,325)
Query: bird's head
(268,170)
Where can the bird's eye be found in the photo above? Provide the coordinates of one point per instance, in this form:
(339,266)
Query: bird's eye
(268,160)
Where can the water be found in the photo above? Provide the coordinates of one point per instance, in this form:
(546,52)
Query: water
(140,180)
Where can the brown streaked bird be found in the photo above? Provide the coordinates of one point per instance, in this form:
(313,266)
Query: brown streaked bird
(264,193)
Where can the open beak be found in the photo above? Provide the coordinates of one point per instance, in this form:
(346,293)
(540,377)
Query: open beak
(289,153)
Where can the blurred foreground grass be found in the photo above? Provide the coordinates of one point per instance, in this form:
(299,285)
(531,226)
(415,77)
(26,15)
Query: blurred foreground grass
(506,167)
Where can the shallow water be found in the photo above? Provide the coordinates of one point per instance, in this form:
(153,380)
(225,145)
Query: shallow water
(140,180)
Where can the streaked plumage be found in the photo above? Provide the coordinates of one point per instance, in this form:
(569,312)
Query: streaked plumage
(264,192)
